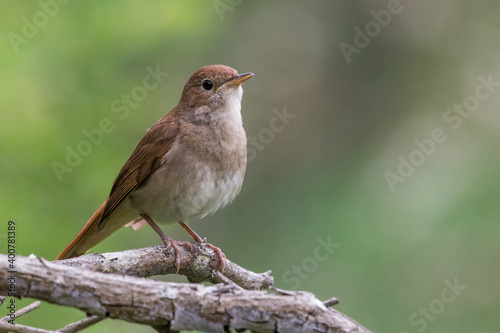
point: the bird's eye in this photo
(207, 84)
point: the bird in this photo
(188, 165)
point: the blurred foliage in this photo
(321, 176)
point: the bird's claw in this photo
(169, 242)
(220, 254)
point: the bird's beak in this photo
(238, 80)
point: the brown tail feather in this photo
(88, 237)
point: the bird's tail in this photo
(89, 236)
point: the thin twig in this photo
(283, 291)
(22, 311)
(331, 302)
(81, 325)
(17, 328)
(223, 279)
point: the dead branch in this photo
(170, 307)
(198, 264)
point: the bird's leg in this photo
(192, 233)
(198, 239)
(167, 240)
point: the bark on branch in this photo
(169, 307)
(198, 264)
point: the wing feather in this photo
(145, 159)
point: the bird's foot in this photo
(198, 239)
(169, 242)
(220, 254)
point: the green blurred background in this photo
(321, 177)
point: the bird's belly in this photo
(172, 195)
(211, 193)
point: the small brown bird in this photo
(188, 165)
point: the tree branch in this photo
(198, 264)
(23, 311)
(169, 307)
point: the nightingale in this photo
(188, 165)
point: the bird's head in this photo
(213, 87)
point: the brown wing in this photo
(145, 159)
